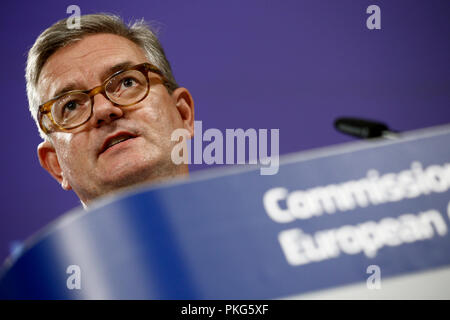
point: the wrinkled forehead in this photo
(87, 62)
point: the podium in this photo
(367, 217)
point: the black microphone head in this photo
(361, 128)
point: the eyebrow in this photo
(103, 76)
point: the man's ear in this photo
(185, 106)
(49, 161)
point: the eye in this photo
(128, 83)
(70, 106)
(126, 86)
(69, 109)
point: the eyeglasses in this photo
(74, 108)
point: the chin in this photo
(141, 173)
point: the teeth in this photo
(116, 140)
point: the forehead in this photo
(85, 60)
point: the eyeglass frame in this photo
(144, 68)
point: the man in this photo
(119, 134)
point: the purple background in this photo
(292, 65)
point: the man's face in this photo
(78, 159)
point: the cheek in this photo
(73, 162)
(160, 114)
(63, 145)
(72, 155)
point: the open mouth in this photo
(116, 139)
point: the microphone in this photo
(363, 128)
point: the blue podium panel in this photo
(319, 223)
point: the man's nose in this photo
(104, 111)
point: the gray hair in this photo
(59, 35)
